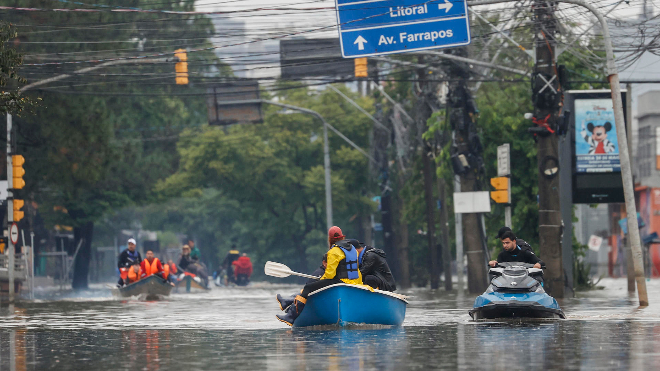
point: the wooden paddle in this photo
(280, 270)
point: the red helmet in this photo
(335, 232)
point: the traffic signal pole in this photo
(11, 252)
(622, 139)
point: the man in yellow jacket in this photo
(342, 268)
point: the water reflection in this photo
(237, 330)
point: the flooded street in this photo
(236, 329)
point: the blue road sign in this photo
(375, 27)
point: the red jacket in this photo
(242, 265)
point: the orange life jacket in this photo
(123, 273)
(132, 276)
(167, 269)
(152, 268)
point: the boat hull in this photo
(515, 305)
(343, 304)
(151, 288)
(188, 284)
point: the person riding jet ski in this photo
(513, 253)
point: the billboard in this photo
(596, 169)
(596, 146)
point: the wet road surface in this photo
(235, 328)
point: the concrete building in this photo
(648, 149)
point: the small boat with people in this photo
(343, 304)
(516, 291)
(187, 282)
(152, 287)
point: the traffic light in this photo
(17, 162)
(361, 67)
(502, 195)
(181, 67)
(18, 214)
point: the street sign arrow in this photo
(360, 41)
(446, 6)
(13, 233)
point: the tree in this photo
(10, 61)
(87, 153)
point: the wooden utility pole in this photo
(461, 110)
(547, 97)
(423, 112)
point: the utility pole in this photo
(547, 97)
(423, 113)
(467, 151)
(630, 269)
(11, 251)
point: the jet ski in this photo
(515, 291)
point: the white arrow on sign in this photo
(446, 6)
(361, 41)
(14, 233)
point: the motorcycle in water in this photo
(515, 291)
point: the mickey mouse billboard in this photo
(596, 148)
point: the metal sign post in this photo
(504, 170)
(394, 26)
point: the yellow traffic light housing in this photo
(18, 214)
(181, 67)
(18, 172)
(503, 190)
(361, 67)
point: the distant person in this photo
(513, 253)
(227, 264)
(374, 268)
(191, 266)
(242, 270)
(170, 271)
(519, 241)
(152, 265)
(126, 259)
(195, 254)
(342, 268)
(286, 301)
(134, 274)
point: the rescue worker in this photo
(519, 241)
(285, 302)
(514, 253)
(231, 256)
(127, 258)
(134, 274)
(342, 268)
(374, 268)
(152, 265)
(242, 270)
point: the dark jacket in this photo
(519, 255)
(184, 262)
(374, 263)
(318, 273)
(126, 259)
(523, 244)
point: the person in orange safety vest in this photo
(134, 274)
(151, 265)
(170, 271)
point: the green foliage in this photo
(262, 186)
(10, 60)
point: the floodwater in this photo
(236, 329)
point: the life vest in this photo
(152, 268)
(167, 269)
(348, 268)
(243, 265)
(132, 276)
(123, 273)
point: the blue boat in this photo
(515, 293)
(344, 304)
